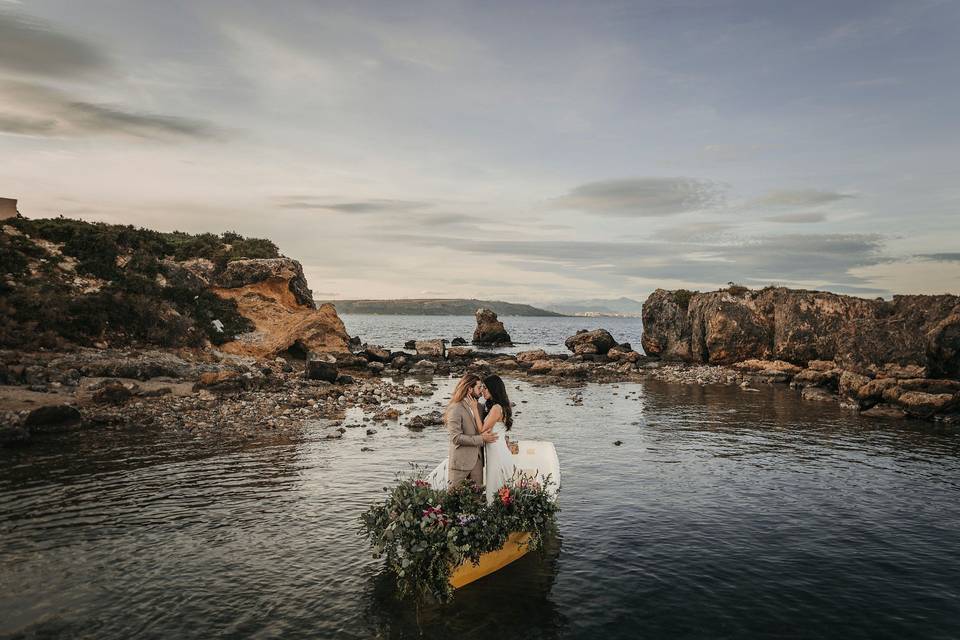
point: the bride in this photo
(498, 459)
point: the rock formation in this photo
(869, 352)
(798, 326)
(273, 294)
(489, 331)
(598, 341)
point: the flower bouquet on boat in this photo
(486, 505)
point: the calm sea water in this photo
(527, 332)
(724, 514)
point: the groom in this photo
(465, 453)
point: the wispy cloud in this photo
(32, 109)
(799, 198)
(33, 47)
(353, 206)
(798, 218)
(940, 257)
(642, 197)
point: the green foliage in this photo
(131, 306)
(737, 290)
(424, 533)
(682, 297)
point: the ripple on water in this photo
(723, 514)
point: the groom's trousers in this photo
(475, 474)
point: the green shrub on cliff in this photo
(682, 297)
(42, 306)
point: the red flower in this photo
(504, 494)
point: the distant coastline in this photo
(437, 307)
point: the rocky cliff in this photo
(825, 335)
(273, 294)
(68, 283)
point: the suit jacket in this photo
(465, 442)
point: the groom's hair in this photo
(462, 389)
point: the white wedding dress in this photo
(498, 465)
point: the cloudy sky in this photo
(527, 151)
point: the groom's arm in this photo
(455, 429)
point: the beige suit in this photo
(465, 458)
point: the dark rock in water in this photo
(54, 416)
(376, 353)
(434, 418)
(818, 394)
(112, 392)
(598, 341)
(354, 342)
(883, 410)
(410, 344)
(322, 367)
(458, 342)
(617, 442)
(489, 331)
(434, 348)
(355, 361)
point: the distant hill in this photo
(599, 307)
(436, 307)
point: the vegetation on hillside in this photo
(115, 283)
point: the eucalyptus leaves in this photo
(424, 533)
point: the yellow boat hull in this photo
(466, 572)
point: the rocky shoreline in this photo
(219, 394)
(249, 352)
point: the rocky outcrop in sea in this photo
(884, 357)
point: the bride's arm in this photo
(496, 412)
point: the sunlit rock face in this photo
(273, 294)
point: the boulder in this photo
(598, 341)
(883, 410)
(541, 366)
(55, 416)
(531, 356)
(851, 383)
(376, 353)
(458, 342)
(321, 367)
(818, 394)
(666, 325)
(273, 295)
(817, 378)
(623, 353)
(925, 405)
(460, 352)
(432, 348)
(489, 331)
(423, 367)
(767, 367)
(112, 392)
(410, 344)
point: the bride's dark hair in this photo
(498, 393)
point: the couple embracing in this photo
(477, 418)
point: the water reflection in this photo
(514, 602)
(722, 513)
